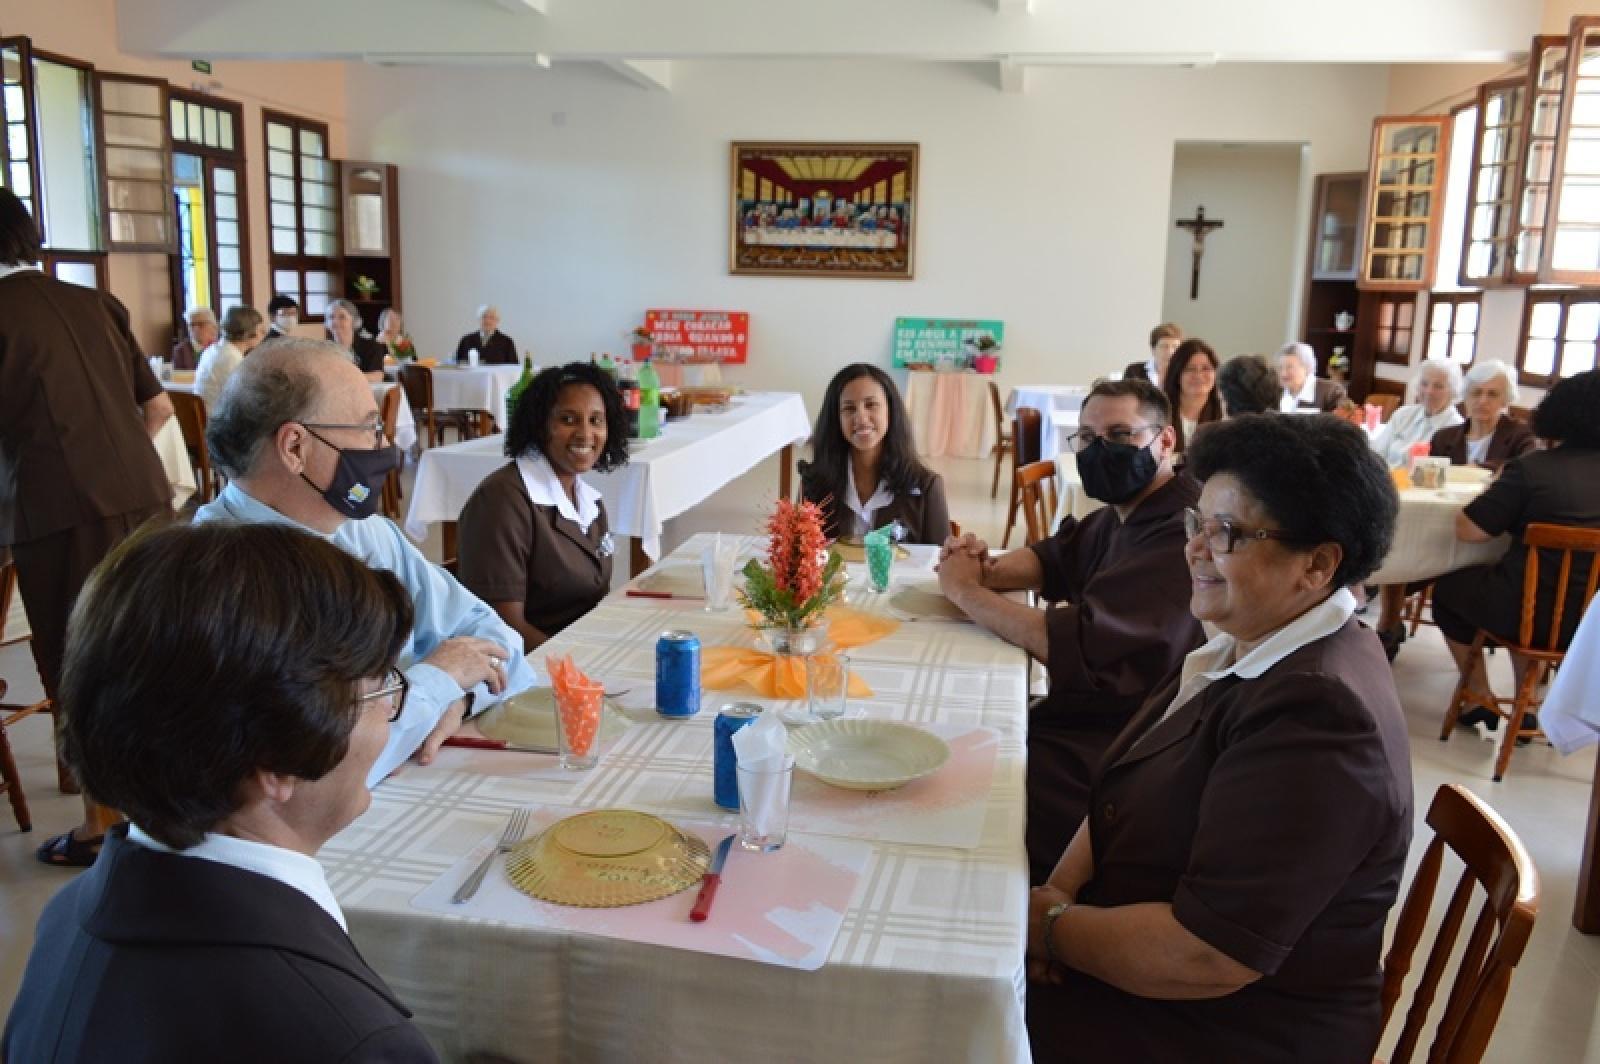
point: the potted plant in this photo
(365, 286)
(801, 579)
(642, 342)
(1339, 365)
(984, 350)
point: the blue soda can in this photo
(678, 674)
(724, 761)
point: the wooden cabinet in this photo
(370, 201)
(1331, 274)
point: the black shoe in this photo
(1477, 715)
(1391, 638)
(1529, 720)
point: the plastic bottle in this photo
(649, 402)
(514, 393)
(608, 365)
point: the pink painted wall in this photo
(87, 30)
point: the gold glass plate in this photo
(608, 858)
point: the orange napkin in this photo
(429, 362)
(1401, 478)
(772, 676)
(578, 700)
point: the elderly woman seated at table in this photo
(535, 541)
(1191, 387)
(1435, 390)
(344, 328)
(1559, 486)
(1225, 897)
(1247, 385)
(242, 332)
(397, 343)
(1303, 391)
(1488, 438)
(864, 471)
(227, 687)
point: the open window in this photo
(303, 202)
(1404, 202)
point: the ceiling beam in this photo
(1013, 77)
(526, 7)
(652, 74)
(1004, 7)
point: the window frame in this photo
(301, 263)
(29, 121)
(1370, 249)
(1565, 297)
(210, 158)
(1518, 272)
(1454, 300)
(106, 209)
(1512, 162)
(49, 260)
(1583, 26)
(1391, 355)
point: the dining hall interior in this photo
(1075, 525)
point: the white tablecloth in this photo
(688, 462)
(1570, 715)
(175, 462)
(484, 388)
(405, 425)
(951, 413)
(926, 967)
(1047, 398)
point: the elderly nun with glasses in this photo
(1225, 896)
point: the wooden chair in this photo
(1496, 861)
(1024, 450)
(1036, 487)
(1412, 610)
(418, 384)
(10, 780)
(1386, 402)
(1533, 662)
(390, 411)
(1002, 438)
(190, 410)
(11, 712)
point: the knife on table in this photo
(712, 878)
(475, 743)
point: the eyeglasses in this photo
(378, 439)
(1222, 535)
(397, 688)
(1081, 440)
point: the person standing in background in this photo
(1164, 340)
(78, 407)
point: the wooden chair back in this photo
(1385, 402)
(999, 410)
(1497, 862)
(1570, 544)
(190, 410)
(1002, 439)
(418, 384)
(1026, 436)
(389, 409)
(11, 779)
(1036, 487)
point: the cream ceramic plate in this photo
(867, 755)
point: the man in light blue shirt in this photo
(299, 434)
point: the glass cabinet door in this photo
(1405, 201)
(1338, 227)
(367, 189)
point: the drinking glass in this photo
(718, 574)
(764, 805)
(828, 685)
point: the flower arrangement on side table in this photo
(801, 579)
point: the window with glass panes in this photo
(1453, 327)
(302, 200)
(137, 162)
(19, 160)
(212, 264)
(1560, 333)
(1396, 319)
(1497, 147)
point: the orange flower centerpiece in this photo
(801, 579)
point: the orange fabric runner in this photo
(723, 668)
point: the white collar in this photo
(21, 267)
(286, 866)
(545, 489)
(1151, 371)
(881, 497)
(1216, 658)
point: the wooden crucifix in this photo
(1199, 226)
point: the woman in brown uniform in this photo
(1224, 898)
(864, 471)
(535, 543)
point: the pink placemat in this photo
(780, 908)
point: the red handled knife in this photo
(713, 877)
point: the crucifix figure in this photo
(1199, 225)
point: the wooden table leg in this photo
(1586, 906)
(447, 540)
(638, 560)
(785, 470)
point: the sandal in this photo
(69, 851)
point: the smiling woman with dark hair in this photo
(864, 471)
(1225, 896)
(228, 687)
(535, 542)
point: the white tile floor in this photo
(1554, 1009)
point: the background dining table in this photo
(1048, 399)
(474, 388)
(927, 960)
(951, 413)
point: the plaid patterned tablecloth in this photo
(928, 962)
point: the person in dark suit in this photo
(1119, 618)
(284, 313)
(1225, 897)
(535, 543)
(1488, 438)
(344, 328)
(1303, 390)
(864, 471)
(1164, 340)
(1560, 486)
(78, 407)
(494, 347)
(227, 686)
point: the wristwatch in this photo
(1051, 915)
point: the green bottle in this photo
(514, 393)
(649, 402)
(607, 365)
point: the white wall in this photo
(575, 201)
(1248, 280)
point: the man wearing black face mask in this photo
(298, 433)
(1119, 588)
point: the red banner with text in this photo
(700, 335)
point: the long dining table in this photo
(927, 960)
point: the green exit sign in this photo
(202, 65)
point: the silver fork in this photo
(509, 838)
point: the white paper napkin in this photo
(763, 747)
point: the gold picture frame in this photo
(823, 209)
